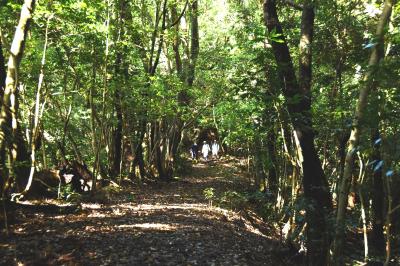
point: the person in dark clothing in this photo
(194, 150)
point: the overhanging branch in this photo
(180, 15)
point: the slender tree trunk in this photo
(3, 73)
(194, 40)
(95, 141)
(139, 160)
(273, 181)
(316, 189)
(377, 192)
(159, 158)
(103, 125)
(176, 44)
(342, 140)
(388, 219)
(260, 177)
(118, 130)
(35, 130)
(368, 84)
(123, 9)
(3, 156)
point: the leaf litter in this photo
(162, 224)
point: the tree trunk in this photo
(139, 160)
(117, 136)
(194, 40)
(10, 135)
(368, 84)
(316, 190)
(3, 73)
(176, 43)
(95, 141)
(343, 138)
(272, 174)
(258, 164)
(3, 156)
(160, 146)
(37, 115)
(377, 207)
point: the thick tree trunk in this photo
(10, 135)
(369, 83)
(298, 99)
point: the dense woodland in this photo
(303, 94)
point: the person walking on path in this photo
(205, 150)
(194, 151)
(214, 149)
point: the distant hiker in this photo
(214, 149)
(205, 150)
(194, 149)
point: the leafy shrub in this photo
(209, 194)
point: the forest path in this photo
(157, 224)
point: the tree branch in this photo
(180, 15)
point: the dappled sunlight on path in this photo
(165, 224)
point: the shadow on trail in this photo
(165, 228)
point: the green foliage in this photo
(66, 193)
(233, 199)
(209, 194)
(95, 53)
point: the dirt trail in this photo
(158, 224)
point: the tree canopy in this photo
(306, 92)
